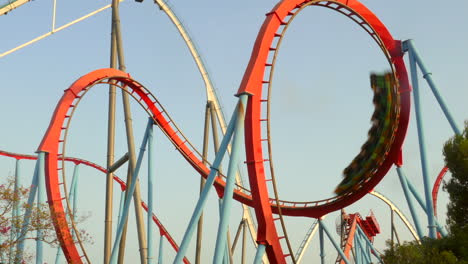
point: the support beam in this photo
(161, 250)
(131, 191)
(337, 247)
(151, 178)
(206, 190)
(409, 200)
(206, 132)
(422, 143)
(40, 203)
(322, 246)
(110, 149)
(260, 253)
(27, 215)
(409, 46)
(230, 179)
(118, 163)
(369, 244)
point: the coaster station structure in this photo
(250, 123)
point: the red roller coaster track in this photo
(252, 84)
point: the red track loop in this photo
(253, 83)
(55, 136)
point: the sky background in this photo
(321, 99)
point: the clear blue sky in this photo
(321, 99)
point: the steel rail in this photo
(55, 30)
(11, 6)
(400, 214)
(162, 229)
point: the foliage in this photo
(13, 229)
(456, 160)
(415, 253)
(454, 247)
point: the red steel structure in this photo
(436, 188)
(256, 83)
(369, 226)
(253, 82)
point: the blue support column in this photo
(337, 247)
(40, 203)
(15, 211)
(421, 139)
(27, 214)
(161, 247)
(75, 193)
(259, 255)
(411, 48)
(363, 253)
(58, 256)
(416, 195)
(150, 194)
(71, 196)
(121, 205)
(206, 190)
(129, 194)
(322, 246)
(230, 181)
(368, 243)
(357, 250)
(406, 191)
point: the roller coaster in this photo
(245, 149)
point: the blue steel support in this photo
(404, 185)
(129, 194)
(75, 194)
(322, 246)
(40, 202)
(409, 46)
(363, 252)
(151, 175)
(259, 255)
(416, 195)
(226, 250)
(369, 243)
(121, 205)
(206, 190)
(357, 250)
(72, 197)
(16, 208)
(15, 212)
(27, 214)
(58, 256)
(230, 180)
(337, 247)
(161, 247)
(72, 193)
(422, 144)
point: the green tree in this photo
(454, 247)
(456, 160)
(415, 253)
